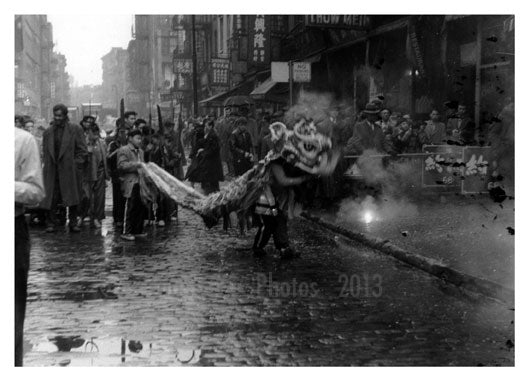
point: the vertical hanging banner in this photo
(259, 39)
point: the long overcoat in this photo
(209, 168)
(72, 156)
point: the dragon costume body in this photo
(302, 146)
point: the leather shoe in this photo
(75, 229)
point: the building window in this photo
(166, 48)
(278, 24)
(20, 90)
(179, 41)
(240, 24)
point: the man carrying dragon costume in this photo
(298, 153)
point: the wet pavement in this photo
(467, 233)
(188, 296)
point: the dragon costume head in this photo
(304, 147)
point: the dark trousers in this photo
(22, 248)
(118, 202)
(165, 208)
(84, 204)
(97, 196)
(56, 200)
(135, 212)
(271, 226)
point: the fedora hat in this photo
(371, 108)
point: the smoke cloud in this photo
(314, 106)
(397, 183)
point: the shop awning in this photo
(218, 100)
(270, 91)
(261, 90)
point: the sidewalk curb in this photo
(431, 266)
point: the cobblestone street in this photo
(186, 295)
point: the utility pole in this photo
(195, 81)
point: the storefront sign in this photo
(280, 71)
(219, 71)
(476, 174)
(338, 21)
(167, 97)
(465, 168)
(182, 66)
(444, 167)
(301, 72)
(259, 39)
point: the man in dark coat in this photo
(64, 154)
(462, 128)
(210, 165)
(367, 134)
(197, 142)
(241, 147)
(225, 126)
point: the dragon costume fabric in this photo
(303, 146)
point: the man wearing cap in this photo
(368, 134)
(241, 147)
(129, 161)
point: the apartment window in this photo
(240, 24)
(166, 47)
(278, 24)
(20, 90)
(173, 44)
(179, 41)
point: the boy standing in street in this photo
(130, 158)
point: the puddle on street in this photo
(106, 351)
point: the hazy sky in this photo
(84, 39)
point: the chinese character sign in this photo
(219, 71)
(477, 170)
(465, 167)
(443, 167)
(182, 66)
(259, 39)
